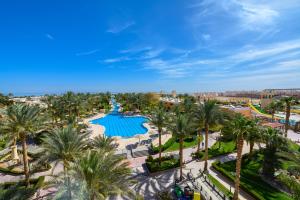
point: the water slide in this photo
(260, 113)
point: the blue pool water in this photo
(116, 124)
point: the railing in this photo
(206, 187)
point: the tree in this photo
(102, 174)
(211, 116)
(63, 145)
(253, 136)
(199, 116)
(24, 120)
(103, 142)
(159, 119)
(240, 127)
(288, 101)
(273, 107)
(274, 141)
(181, 126)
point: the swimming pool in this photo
(116, 124)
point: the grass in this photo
(219, 148)
(251, 181)
(221, 187)
(173, 144)
(188, 142)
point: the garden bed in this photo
(167, 162)
(251, 181)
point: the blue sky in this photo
(134, 45)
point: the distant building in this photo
(174, 94)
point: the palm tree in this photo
(199, 116)
(181, 126)
(23, 120)
(103, 142)
(102, 174)
(288, 101)
(159, 118)
(211, 116)
(273, 140)
(273, 107)
(253, 136)
(10, 129)
(240, 127)
(63, 145)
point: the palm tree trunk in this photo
(199, 141)
(238, 168)
(25, 160)
(181, 155)
(159, 145)
(67, 179)
(287, 117)
(251, 149)
(206, 146)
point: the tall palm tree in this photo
(63, 145)
(288, 101)
(199, 116)
(240, 127)
(104, 143)
(24, 120)
(102, 174)
(181, 126)
(274, 140)
(159, 119)
(211, 116)
(273, 107)
(253, 136)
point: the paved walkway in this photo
(149, 186)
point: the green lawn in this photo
(251, 181)
(173, 144)
(188, 142)
(219, 148)
(220, 186)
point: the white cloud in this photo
(49, 36)
(86, 53)
(255, 16)
(136, 49)
(115, 60)
(119, 27)
(206, 36)
(152, 53)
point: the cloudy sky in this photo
(133, 45)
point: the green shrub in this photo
(167, 162)
(18, 190)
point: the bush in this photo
(18, 190)
(167, 162)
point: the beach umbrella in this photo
(140, 136)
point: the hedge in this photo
(167, 162)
